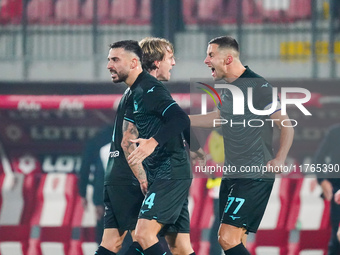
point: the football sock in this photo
(103, 251)
(135, 249)
(237, 250)
(156, 249)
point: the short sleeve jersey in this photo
(151, 100)
(118, 171)
(247, 137)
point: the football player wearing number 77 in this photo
(243, 195)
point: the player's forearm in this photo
(191, 138)
(175, 120)
(137, 169)
(130, 132)
(205, 121)
(286, 141)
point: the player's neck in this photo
(133, 76)
(153, 73)
(234, 72)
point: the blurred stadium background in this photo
(56, 94)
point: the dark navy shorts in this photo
(244, 201)
(122, 204)
(167, 202)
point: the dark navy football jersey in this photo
(151, 100)
(247, 137)
(118, 170)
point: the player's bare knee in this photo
(179, 250)
(227, 242)
(112, 240)
(174, 250)
(179, 243)
(143, 238)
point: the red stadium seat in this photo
(209, 10)
(10, 11)
(300, 9)
(40, 10)
(272, 232)
(67, 10)
(252, 11)
(83, 227)
(144, 14)
(310, 215)
(189, 8)
(226, 11)
(229, 11)
(123, 10)
(103, 7)
(276, 11)
(51, 221)
(198, 196)
(16, 206)
(206, 220)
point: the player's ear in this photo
(229, 59)
(157, 63)
(134, 63)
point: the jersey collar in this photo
(139, 78)
(245, 74)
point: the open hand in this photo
(145, 148)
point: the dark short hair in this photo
(129, 45)
(226, 42)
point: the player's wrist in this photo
(281, 157)
(153, 141)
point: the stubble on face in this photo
(119, 65)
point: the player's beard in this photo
(121, 77)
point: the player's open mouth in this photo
(213, 71)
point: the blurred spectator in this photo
(92, 172)
(328, 155)
(214, 149)
(337, 200)
(337, 197)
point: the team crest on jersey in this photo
(135, 105)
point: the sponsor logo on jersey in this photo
(114, 154)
